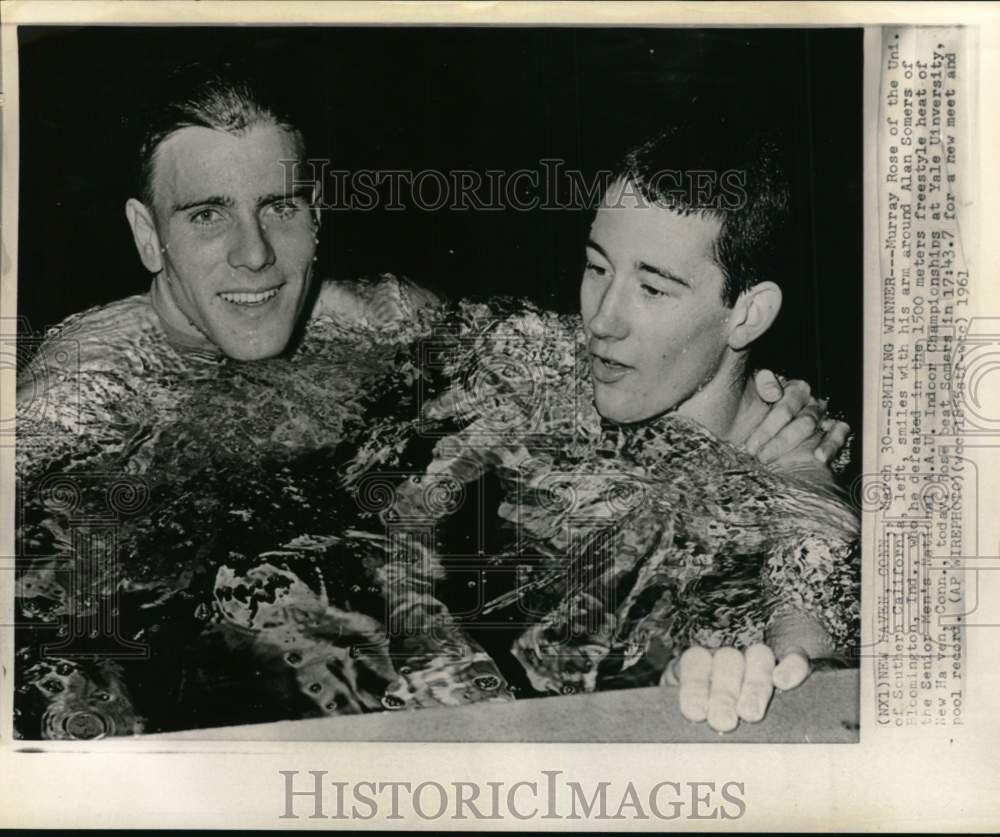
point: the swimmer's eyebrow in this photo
(214, 200)
(303, 192)
(597, 247)
(663, 273)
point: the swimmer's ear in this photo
(147, 242)
(753, 314)
(315, 203)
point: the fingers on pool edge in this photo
(758, 686)
(728, 669)
(694, 674)
(792, 670)
(729, 686)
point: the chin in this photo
(611, 409)
(626, 411)
(263, 351)
(254, 355)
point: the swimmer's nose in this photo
(610, 321)
(251, 249)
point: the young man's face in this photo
(652, 307)
(238, 244)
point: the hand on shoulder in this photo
(791, 431)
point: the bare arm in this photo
(818, 583)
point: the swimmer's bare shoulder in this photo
(85, 362)
(96, 339)
(86, 376)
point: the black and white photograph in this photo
(442, 383)
(499, 415)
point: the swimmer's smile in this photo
(249, 299)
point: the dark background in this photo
(444, 98)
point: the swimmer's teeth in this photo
(249, 299)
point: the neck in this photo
(181, 333)
(728, 402)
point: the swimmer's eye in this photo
(206, 217)
(649, 290)
(285, 210)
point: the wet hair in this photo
(717, 170)
(223, 96)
